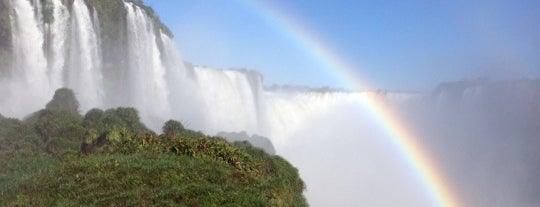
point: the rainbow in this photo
(418, 158)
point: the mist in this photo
(483, 135)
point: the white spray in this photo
(147, 76)
(85, 76)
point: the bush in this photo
(106, 131)
(125, 164)
(172, 170)
(15, 136)
(92, 119)
(64, 100)
(123, 117)
(172, 127)
(57, 124)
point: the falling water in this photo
(147, 73)
(29, 81)
(228, 99)
(85, 75)
(58, 31)
(345, 158)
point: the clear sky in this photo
(396, 45)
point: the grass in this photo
(110, 159)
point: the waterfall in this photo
(342, 153)
(29, 82)
(147, 73)
(85, 76)
(58, 32)
(228, 99)
(40, 48)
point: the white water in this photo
(30, 65)
(228, 100)
(345, 158)
(85, 75)
(58, 31)
(147, 76)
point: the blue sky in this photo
(396, 45)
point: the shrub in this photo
(123, 117)
(64, 100)
(57, 124)
(172, 127)
(92, 119)
(125, 164)
(17, 136)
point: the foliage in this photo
(105, 129)
(108, 158)
(50, 124)
(191, 173)
(253, 140)
(17, 136)
(172, 127)
(122, 118)
(92, 119)
(21, 151)
(64, 100)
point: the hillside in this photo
(56, 156)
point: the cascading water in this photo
(29, 73)
(85, 75)
(228, 100)
(345, 158)
(58, 30)
(147, 73)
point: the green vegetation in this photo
(254, 140)
(108, 158)
(172, 127)
(64, 100)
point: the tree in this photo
(172, 127)
(130, 116)
(64, 100)
(57, 124)
(93, 126)
(45, 124)
(92, 119)
(123, 117)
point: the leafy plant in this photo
(108, 158)
(64, 100)
(172, 127)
